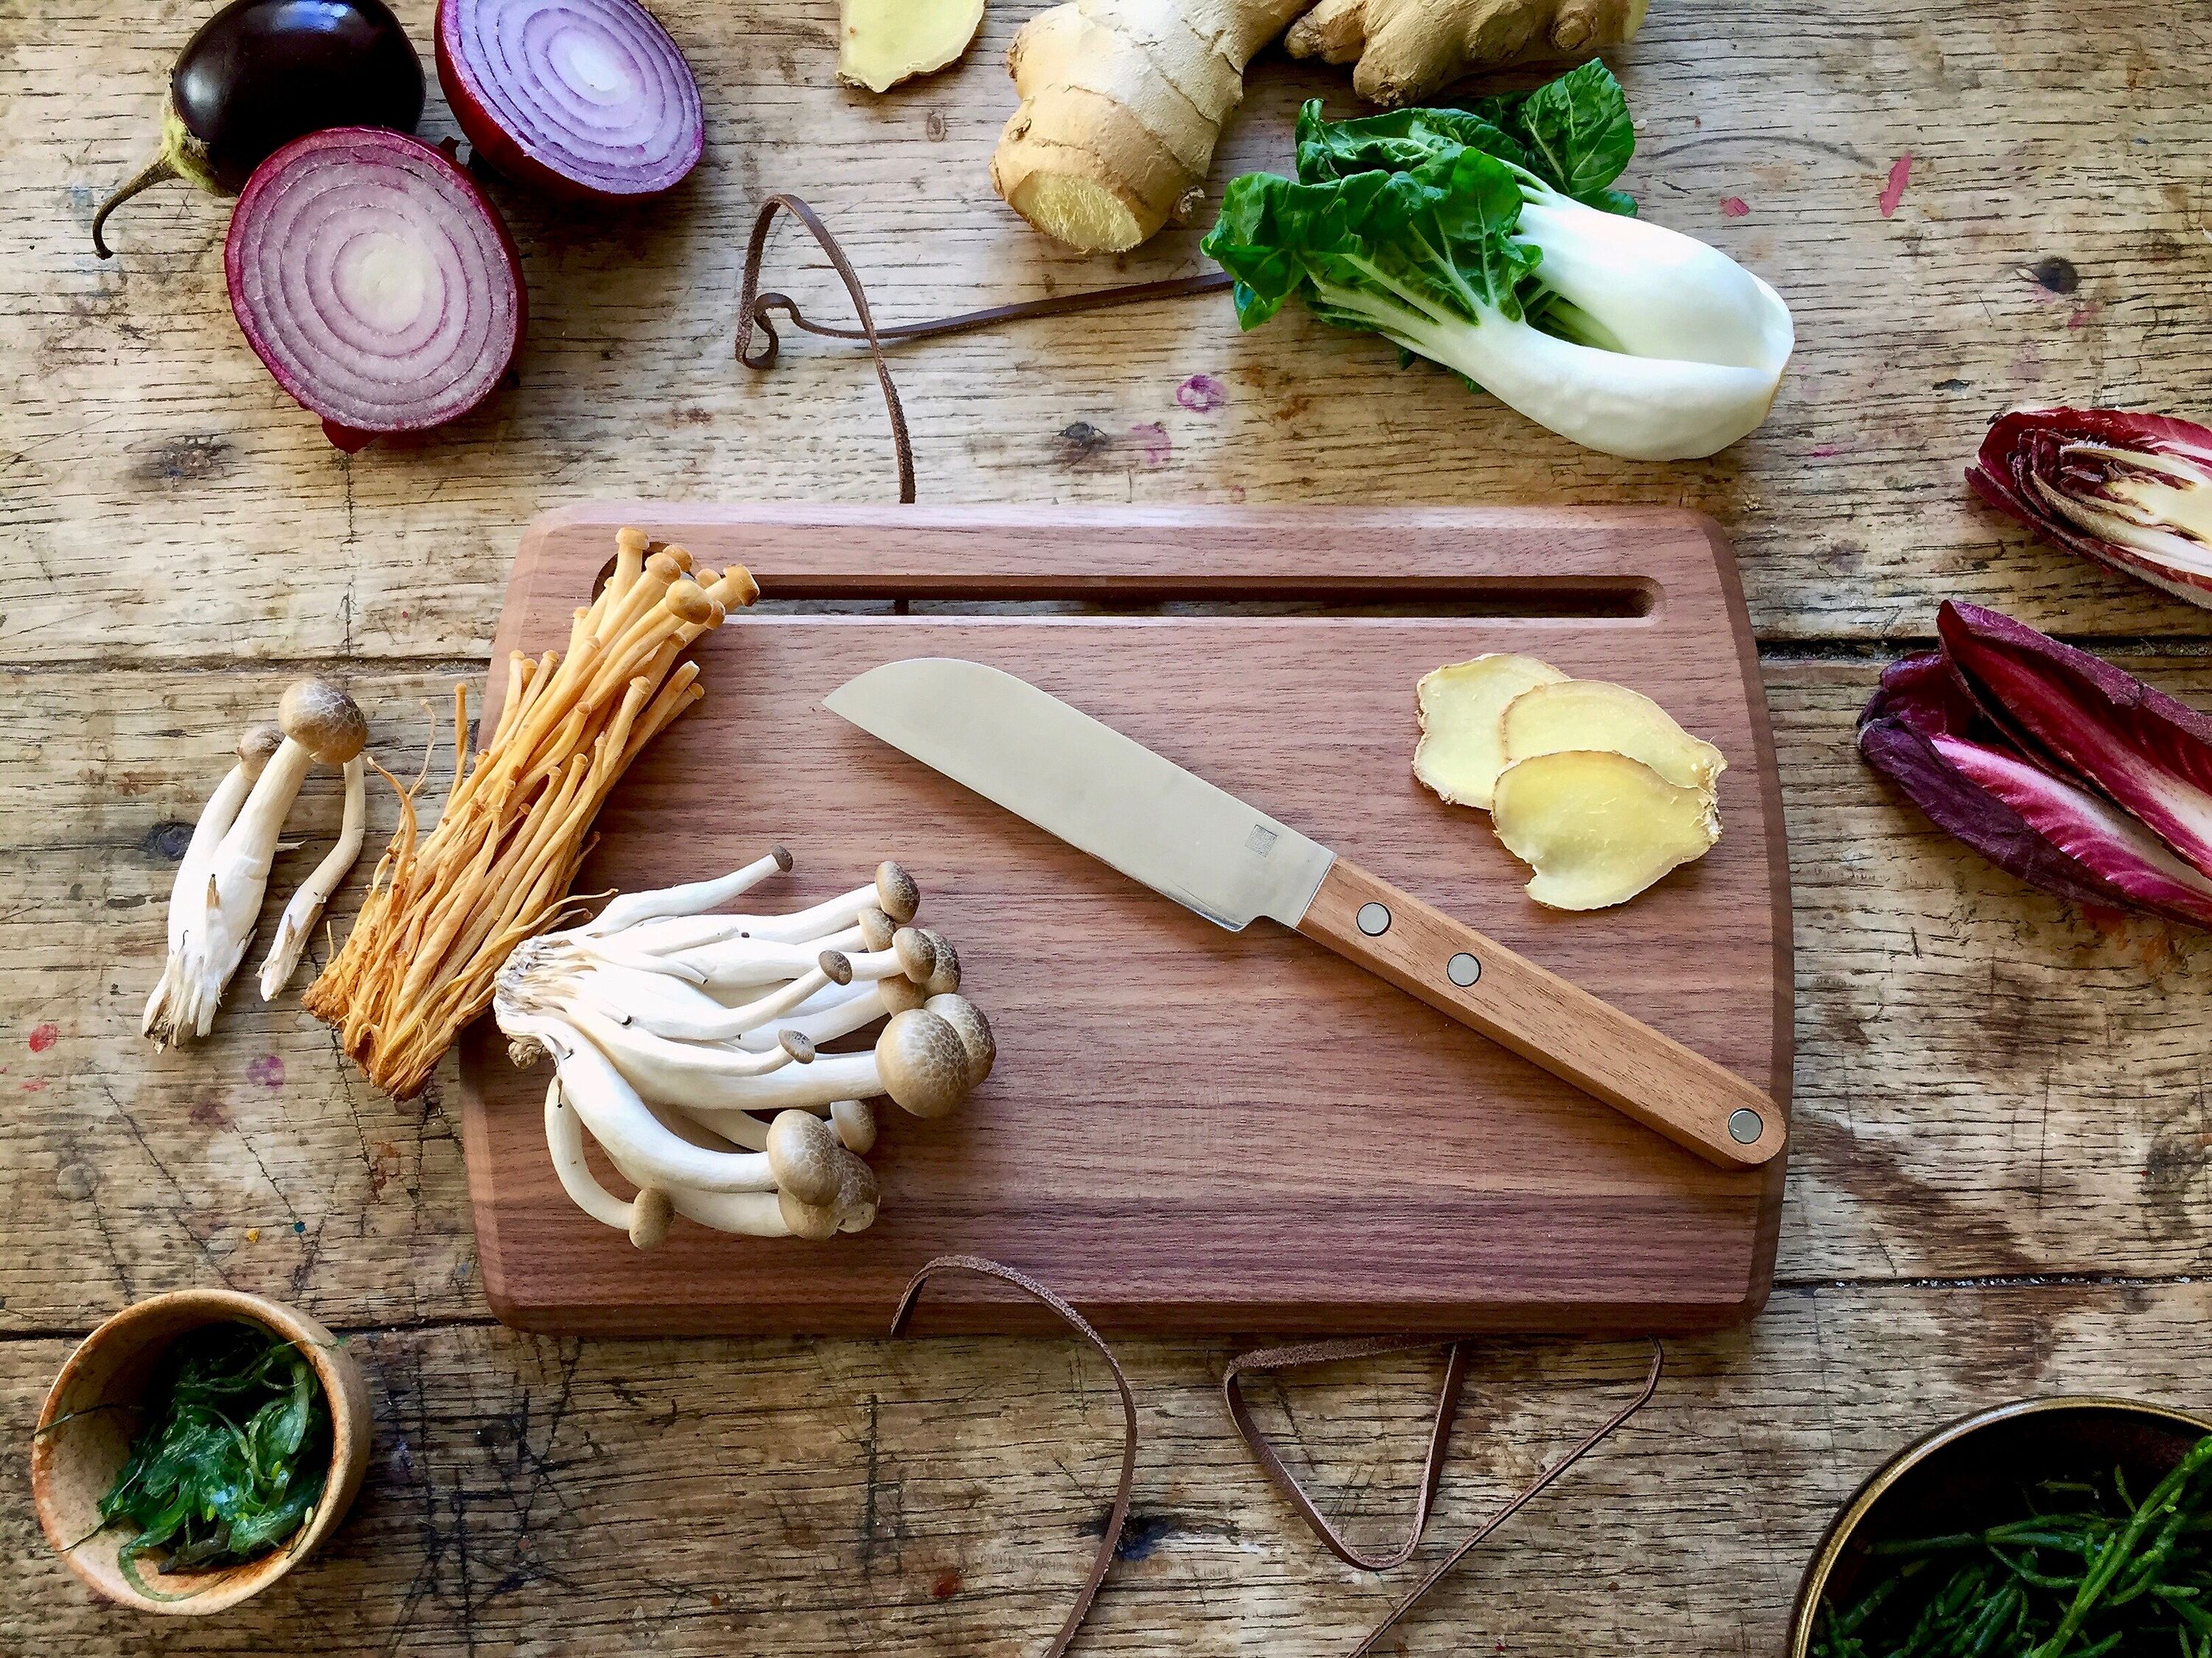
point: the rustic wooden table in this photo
(2002, 1133)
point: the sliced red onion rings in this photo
(374, 280)
(580, 98)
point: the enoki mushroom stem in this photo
(444, 910)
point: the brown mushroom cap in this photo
(680, 556)
(631, 541)
(260, 739)
(782, 854)
(802, 1153)
(816, 1222)
(649, 1217)
(900, 994)
(917, 955)
(897, 892)
(858, 1194)
(974, 1031)
(798, 1043)
(922, 1062)
(320, 717)
(855, 1123)
(944, 978)
(876, 929)
(836, 965)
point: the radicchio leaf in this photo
(2151, 754)
(1965, 810)
(1923, 692)
(2133, 491)
(2112, 846)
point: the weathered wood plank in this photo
(825, 1498)
(1988, 1080)
(147, 459)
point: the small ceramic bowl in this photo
(1967, 1475)
(73, 1466)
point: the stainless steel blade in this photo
(1097, 789)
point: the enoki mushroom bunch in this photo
(687, 1043)
(216, 901)
(443, 911)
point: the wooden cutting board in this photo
(1190, 1131)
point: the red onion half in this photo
(580, 98)
(376, 282)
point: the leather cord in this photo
(1332, 1352)
(1326, 1352)
(1035, 1291)
(755, 318)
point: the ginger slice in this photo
(882, 42)
(1569, 714)
(1599, 827)
(1460, 751)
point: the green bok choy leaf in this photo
(1490, 240)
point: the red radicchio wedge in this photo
(2151, 754)
(2133, 491)
(1964, 809)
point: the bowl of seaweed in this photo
(196, 1447)
(2063, 1527)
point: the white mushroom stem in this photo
(735, 964)
(673, 936)
(642, 1148)
(300, 915)
(254, 748)
(678, 1071)
(320, 722)
(893, 892)
(920, 1060)
(683, 1021)
(631, 908)
(824, 1021)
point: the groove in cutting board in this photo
(1190, 1131)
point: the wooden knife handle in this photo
(1702, 1106)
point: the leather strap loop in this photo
(1332, 1352)
(755, 309)
(1035, 1291)
(1327, 1352)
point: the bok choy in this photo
(1489, 240)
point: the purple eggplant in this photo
(261, 73)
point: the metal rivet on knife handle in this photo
(1374, 920)
(1745, 1126)
(1463, 970)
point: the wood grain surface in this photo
(1180, 1132)
(2002, 1147)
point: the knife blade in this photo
(1108, 795)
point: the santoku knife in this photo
(1114, 798)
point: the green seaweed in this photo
(2105, 1575)
(232, 1460)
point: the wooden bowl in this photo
(1966, 1476)
(73, 1467)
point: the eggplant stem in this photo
(162, 168)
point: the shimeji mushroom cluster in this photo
(687, 1042)
(216, 901)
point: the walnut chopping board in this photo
(1190, 1131)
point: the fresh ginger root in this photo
(1121, 103)
(882, 42)
(1408, 49)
